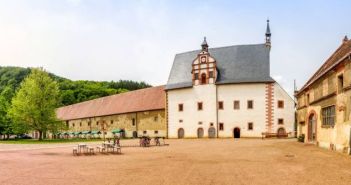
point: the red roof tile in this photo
(152, 98)
(333, 60)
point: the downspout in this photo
(217, 110)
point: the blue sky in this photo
(137, 40)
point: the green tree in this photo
(33, 106)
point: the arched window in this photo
(203, 78)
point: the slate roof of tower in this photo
(235, 64)
(147, 99)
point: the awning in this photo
(117, 131)
(95, 132)
(77, 133)
(86, 132)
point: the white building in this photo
(226, 92)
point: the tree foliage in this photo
(33, 107)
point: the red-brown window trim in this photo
(220, 105)
(252, 104)
(221, 126)
(180, 107)
(236, 108)
(200, 106)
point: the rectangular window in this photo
(80, 124)
(236, 105)
(73, 124)
(281, 104)
(221, 126)
(200, 123)
(211, 74)
(111, 122)
(89, 123)
(67, 124)
(250, 104)
(133, 122)
(199, 106)
(97, 123)
(340, 83)
(280, 121)
(180, 121)
(156, 131)
(156, 118)
(220, 105)
(144, 132)
(180, 107)
(250, 126)
(328, 116)
(196, 75)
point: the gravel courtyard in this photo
(189, 161)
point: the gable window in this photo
(328, 116)
(281, 104)
(340, 83)
(211, 74)
(199, 106)
(221, 126)
(196, 76)
(250, 104)
(280, 121)
(250, 126)
(236, 105)
(203, 78)
(220, 105)
(180, 107)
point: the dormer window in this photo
(196, 76)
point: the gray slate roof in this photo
(235, 64)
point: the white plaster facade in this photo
(210, 94)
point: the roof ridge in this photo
(221, 47)
(102, 98)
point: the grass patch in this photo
(46, 141)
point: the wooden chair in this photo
(100, 148)
(75, 151)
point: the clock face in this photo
(203, 59)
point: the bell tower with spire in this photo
(268, 35)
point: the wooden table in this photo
(81, 146)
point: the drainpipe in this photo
(217, 110)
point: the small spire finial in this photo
(204, 45)
(268, 34)
(345, 39)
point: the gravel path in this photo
(192, 161)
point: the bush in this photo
(301, 138)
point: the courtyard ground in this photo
(189, 161)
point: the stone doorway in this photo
(211, 132)
(200, 133)
(281, 133)
(180, 133)
(236, 132)
(312, 123)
